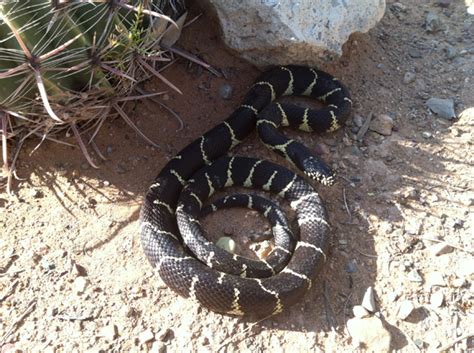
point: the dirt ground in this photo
(73, 276)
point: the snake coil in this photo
(170, 225)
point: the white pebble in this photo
(109, 332)
(146, 336)
(226, 243)
(369, 300)
(405, 309)
(437, 299)
(80, 284)
(360, 312)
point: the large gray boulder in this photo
(292, 32)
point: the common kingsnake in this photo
(174, 201)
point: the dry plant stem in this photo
(365, 127)
(157, 74)
(82, 145)
(345, 204)
(14, 325)
(132, 125)
(10, 290)
(451, 245)
(171, 111)
(3, 116)
(456, 340)
(117, 72)
(148, 12)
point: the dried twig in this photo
(9, 291)
(171, 111)
(365, 127)
(367, 255)
(456, 340)
(82, 145)
(345, 204)
(18, 321)
(331, 320)
(449, 244)
(132, 125)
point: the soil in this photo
(73, 276)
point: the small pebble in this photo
(47, 265)
(358, 120)
(351, 267)
(435, 278)
(382, 124)
(165, 334)
(120, 168)
(109, 332)
(360, 312)
(106, 183)
(409, 77)
(432, 22)
(440, 249)
(405, 308)
(80, 284)
(85, 166)
(437, 299)
(226, 243)
(415, 53)
(226, 91)
(392, 296)
(368, 301)
(414, 276)
(458, 223)
(458, 282)
(426, 134)
(146, 336)
(158, 347)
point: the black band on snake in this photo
(218, 280)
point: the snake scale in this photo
(170, 227)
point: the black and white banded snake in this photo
(174, 201)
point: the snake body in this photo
(218, 280)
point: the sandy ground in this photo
(73, 276)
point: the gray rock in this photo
(444, 108)
(368, 301)
(298, 32)
(382, 124)
(371, 332)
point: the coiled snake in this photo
(218, 280)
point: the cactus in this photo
(65, 65)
